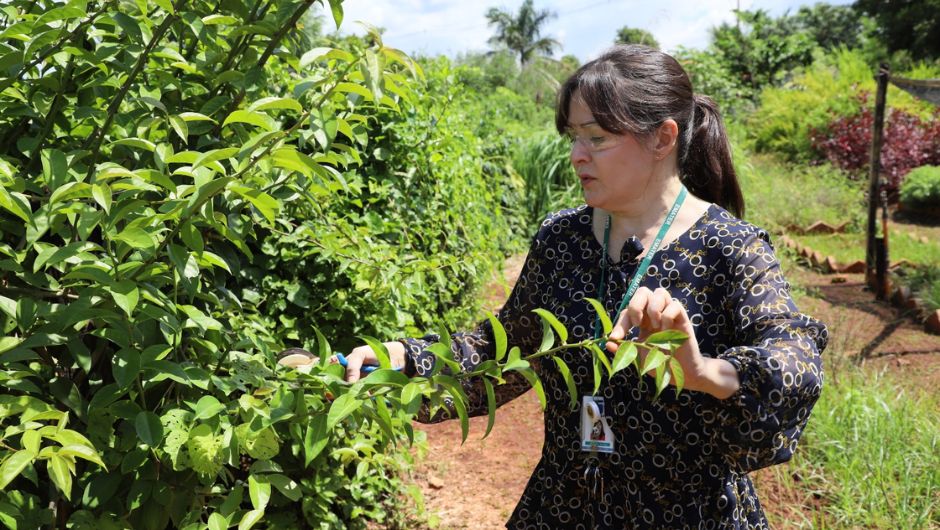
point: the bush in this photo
(921, 188)
(825, 91)
(180, 194)
(908, 142)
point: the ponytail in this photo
(706, 166)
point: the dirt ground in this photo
(476, 485)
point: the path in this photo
(477, 485)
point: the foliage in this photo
(780, 195)
(911, 26)
(908, 142)
(849, 247)
(155, 159)
(543, 165)
(827, 89)
(711, 75)
(921, 188)
(521, 33)
(870, 453)
(759, 50)
(923, 281)
(628, 35)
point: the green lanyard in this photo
(644, 265)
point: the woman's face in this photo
(614, 169)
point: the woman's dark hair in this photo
(634, 89)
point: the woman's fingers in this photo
(636, 309)
(354, 361)
(673, 316)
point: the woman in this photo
(640, 139)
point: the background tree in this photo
(522, 32)
(628, 35)
(906, 25)
(759, 50)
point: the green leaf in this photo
(601, 356)
(556, 324)
(251, 118)
(668, 339)
(58, 469)
(180, 127)
(15, 205)
(136, 237)
(499, 335)
(214, 156)
(149, 428)
(102, 194)
(677, 374)
(625, 355)
(342, 407)
(569, 380)
(138, 143)
(83, 452)
(654, 359)
(536, 384)
(259, 491)
(602, 313)
(381, 352)
(250, 519)
(336, 6)
(597, 374)
(444, 354)
(13, 466)
(459, 401)
(212, 20)
(125, 366)
(126, 295)
(207, 407)
(385, 377)
(548, 337)
(515, 361)
(267, 205)
(217, 521)
(290, 158)
(31, 440)
(662, 378)
(286, 486)
(490, 406)
(276, 103)
(315, 438)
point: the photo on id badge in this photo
(596, 434)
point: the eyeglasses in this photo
(593, 142)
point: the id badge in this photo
(596, 434)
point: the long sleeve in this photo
(777, 353)
(523, 329)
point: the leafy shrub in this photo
(921, 188)
(908, 142)
(711, 75)
(826, 90)
(177, 187)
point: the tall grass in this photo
(872, 452)
(543, 164)
(778, 194)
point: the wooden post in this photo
(874, 180)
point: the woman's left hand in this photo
(655, 311)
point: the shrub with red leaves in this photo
(908, 142)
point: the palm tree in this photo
(522, 33)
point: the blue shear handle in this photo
(366, 368)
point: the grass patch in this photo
(849, 247)
(780, 194)
(872, 452)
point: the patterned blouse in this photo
(679, 462)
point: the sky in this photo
(584, 27)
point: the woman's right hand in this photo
(363, 355)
